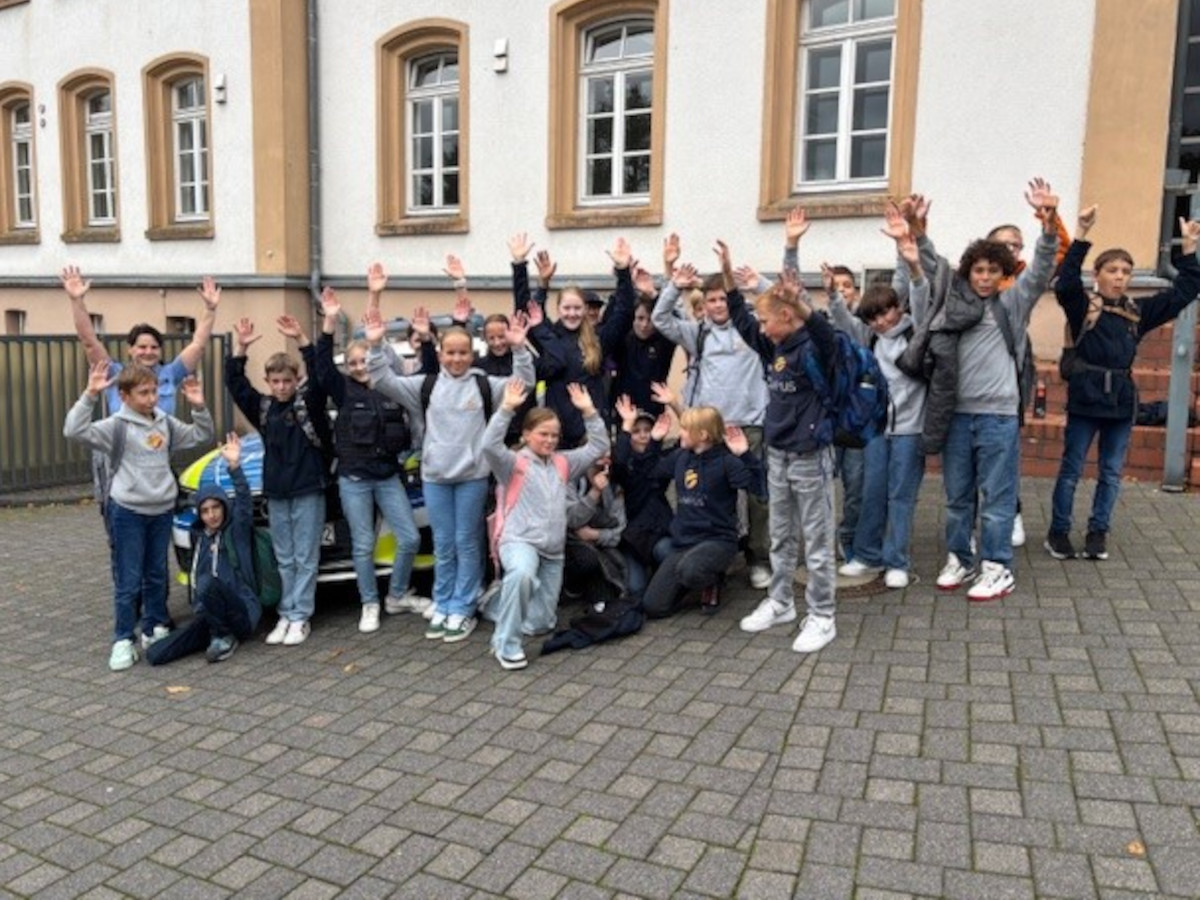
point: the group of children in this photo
(752, 420)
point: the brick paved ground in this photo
(1048, 745)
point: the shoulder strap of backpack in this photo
(264, 407)
(560, 463)
(427, 390)
(516, 483)
(485, 394)
(701, 337)
(118, 446)
(1000, 312)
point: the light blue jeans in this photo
(528, 596)
(360, 496)
(456, 518)
(296, 524)
(894, 467)
(800, 487)
(981, 456)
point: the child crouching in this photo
(534, 531)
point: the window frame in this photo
(436, 96)
(781, 187)
(14, 95)
(160, 80)
(571, 23)
(75, 93)
(192, 119)
(395, 52)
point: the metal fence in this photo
(41, 377)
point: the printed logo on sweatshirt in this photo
(691, 478)
(780, 363)
(155, 441)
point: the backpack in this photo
(694, 362)
(507, 497)
(1026, 371)
(481, 380)
(105, 465)
(303, 419)
(854, 391)
(263, 578)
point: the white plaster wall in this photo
(43, 42)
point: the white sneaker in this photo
(512, 663)
(458, 628)
(760, 577)
(815, 633)
(429, 612)
(297, 633)
(768, 614)
(856, 569)
(994, 582)
(896, 579)
(123, 655)
(277, 633)
(409, 602)
(1018, 535)
(954, 574)
(369, 620)
(160, 632)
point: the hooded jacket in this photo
(706, 486)
(210, 551)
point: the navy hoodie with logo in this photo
(706, 487)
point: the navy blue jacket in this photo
(706, 486)
(645, 496)
(209, 559)
(639, 363)
(796, 420)
(1102, 387)
(292, 466)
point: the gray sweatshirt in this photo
(143, 481)
(730, 373)
(540, 517)
(452, 447)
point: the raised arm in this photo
(580, 459)
(1166, 305)
(499, 457)
(1069, 289)
(331, 380)
(191, 355)
(620, 315)
(672, 327)
(76, 287)
(520, 246)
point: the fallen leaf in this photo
(350, 668)
(177, 689)
(1136, 848)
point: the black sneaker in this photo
(1096, 545)
(1059, 545)
(220, 649)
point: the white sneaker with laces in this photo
(954, 574)
(896, 579)
(1018, 535)
(409, 602)
(512, 663)
(277, 633)
(160, 632)
(760, 577)
(994, 582)
(124, 654)
(297, 633)
(856, 569)
(368, 621)
(815, 633)
(768, 614)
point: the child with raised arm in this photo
(648, 514)
(371, 431)
(894, 464)
(143, 491)
(454, 406)
(535, 525)
(296, 441)
(1105, 328)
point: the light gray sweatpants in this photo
(800, 486)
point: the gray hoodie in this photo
(451, 450)
(143, 481)
(540, 517)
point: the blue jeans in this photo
(894, 467)
(981, 456)
(456, 518)
(1077, 439)
(296, 524)
(528, 594)
(850, 466)
(360, 496)
(139, 568)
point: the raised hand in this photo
(643, 282)
(907, 248)
(662, 426)
(98, 380)
(535, 313)
(519, 246)
(376, 278)
(73, 283)
(735, 440)
(546, 267)
(599, 480)
(420, 322)
(231, 450)
(671, 251)
(685, 277)
(193, 391)
(895, 223)
(721, 249)
(331, 307)
(454, 268)
(827, 278)
(1189, 230)
(373, 326)
(462, 309)
(747, 278)
(581, 399)
(290, 327)
(1041, 197)
(243, 332)
(1087, 218)
(620, 254)
(660, 392)
(518, 327)
(795, 226)
(626, 411)
(209, 292)
(515, 391)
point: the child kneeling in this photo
(534, 530)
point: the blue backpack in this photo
(855, 391)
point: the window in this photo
(607, 112)
(89, 157)
(422, 129)
(97, 322)
(180, 325)
(18, 171)
(179, 166)
(14, 322)
(839, 104)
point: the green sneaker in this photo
(436, 629)
(458, 628)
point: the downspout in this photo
(314, 168)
